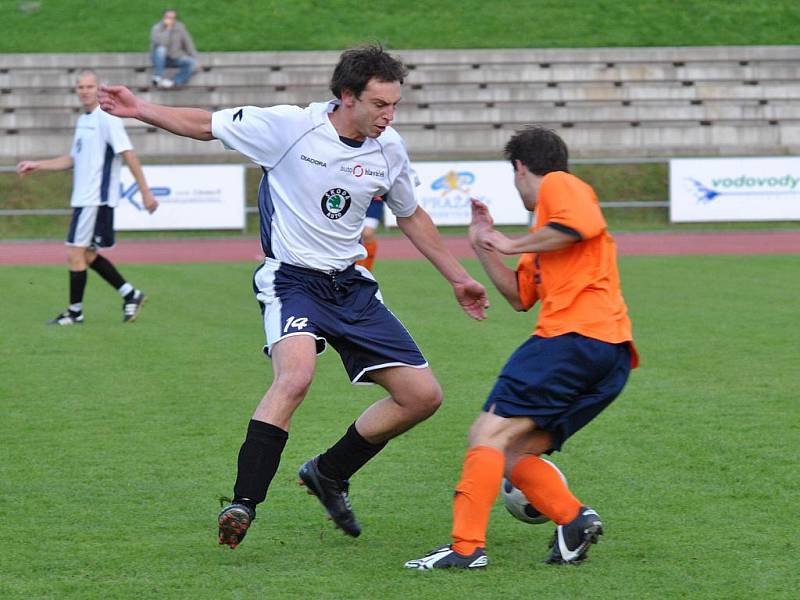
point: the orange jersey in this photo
(579, 286)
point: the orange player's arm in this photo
(544, 239)
(503, 277)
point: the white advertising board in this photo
(734, 189)
(189, 196)
(446, 188)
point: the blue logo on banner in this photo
(705, 194)
(452, 181)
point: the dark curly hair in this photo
(358, 65)
(538, 148)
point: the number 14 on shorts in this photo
(298, 323)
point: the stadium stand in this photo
(606, 102)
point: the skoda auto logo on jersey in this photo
(335, 203)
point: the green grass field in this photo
(117, 441)
(112, 26)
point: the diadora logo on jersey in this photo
(335, 203)
(361, 170)
(313, 161)
(298, 323)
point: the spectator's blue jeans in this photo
(185, 64)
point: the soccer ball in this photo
(517, 504)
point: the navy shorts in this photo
(374, 214)
(561, 383)
(375, 209)
(343, 309)
(91, 227)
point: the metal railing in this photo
(59, 212)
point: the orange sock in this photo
(544, 488)
(475, 495)
(372, 250)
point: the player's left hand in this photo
(149, 201)
(471, 295)
(481, 221)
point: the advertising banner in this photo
(734, 189)
(189, 196)
(446, 188)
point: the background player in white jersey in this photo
(99, 141)
(322, 167)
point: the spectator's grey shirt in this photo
(177, 40)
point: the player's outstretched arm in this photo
(471, 295)
(189, 122)
(503, 277)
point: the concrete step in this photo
(445, 95)
(25, 122)
(423, 57)
(613, 142)
(486, 141)
(593, 139)
(440, 76)
(571, 115)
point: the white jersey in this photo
(99, 140)
(316, 188)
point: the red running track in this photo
(238, 249)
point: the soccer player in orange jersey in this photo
(575, 364)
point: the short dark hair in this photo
(358, 65)
(538, 148)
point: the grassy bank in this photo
(81, 26)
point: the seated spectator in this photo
(172, 46)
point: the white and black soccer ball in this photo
(517, 504)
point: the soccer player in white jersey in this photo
(322, 167)
(99, 141)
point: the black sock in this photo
(258, 461)
(106, 269)
(347, 455)
(77, 284)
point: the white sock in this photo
(77, 307)
(125, 289)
